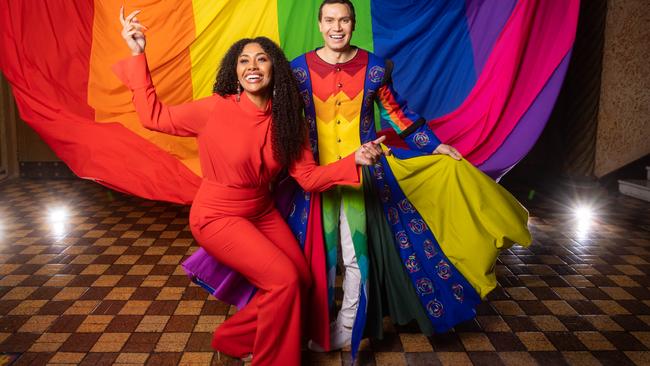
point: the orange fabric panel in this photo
(171, 31)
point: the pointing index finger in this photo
(132, 15)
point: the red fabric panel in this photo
(318, 327)
(45, 56)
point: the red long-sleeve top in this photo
(234, 137)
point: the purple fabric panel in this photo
(485, 19)
(530, 126)
(229, 286)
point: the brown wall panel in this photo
(8, 117)
(31, 147)
(624, 115)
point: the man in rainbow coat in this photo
(390, 228)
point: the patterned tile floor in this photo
(92, 277)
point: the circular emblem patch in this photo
(402, 239)
(421, 139)
(417, 226)
(444, 271)
(429, 249)
(434, 307)
(405, 206)
(367, 101)
(376, 74)
(412, 264)
(300, 74)
(365, 124)
(424, 286)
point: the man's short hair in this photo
(345, 2)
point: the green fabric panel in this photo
(363, 33)
(298, 23)
(354, 208)
(391, 291)
(331, 204)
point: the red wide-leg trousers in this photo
(242, 230)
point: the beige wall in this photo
(624, 114)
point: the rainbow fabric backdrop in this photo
(484, 73)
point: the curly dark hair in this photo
(288, 131)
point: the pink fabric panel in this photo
(533, 43)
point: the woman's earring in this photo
(238, 91)
(273, 91)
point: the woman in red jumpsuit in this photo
(244, 141)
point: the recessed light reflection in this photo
(57, 219)
(584, 217)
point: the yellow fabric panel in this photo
(471, 216)
(336, 140)
(218, 25)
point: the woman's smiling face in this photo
(254, 69)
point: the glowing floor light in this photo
(584, 216)
(57, 219)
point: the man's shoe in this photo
(315, 347)
(341, 337)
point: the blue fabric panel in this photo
(429, 43)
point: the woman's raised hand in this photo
(370, 152)
(133, 32)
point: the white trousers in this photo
(351, 275)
